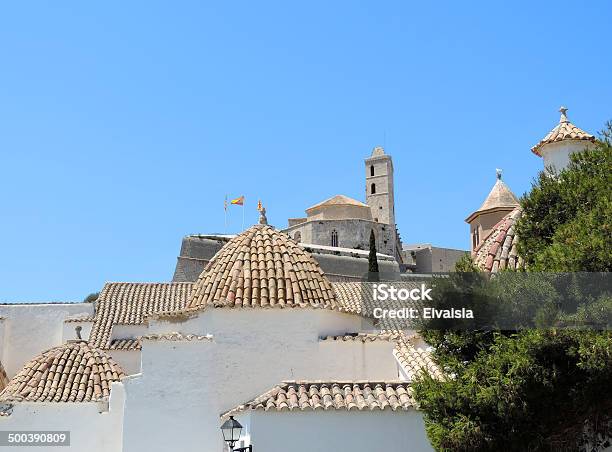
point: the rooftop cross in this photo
(498, 172)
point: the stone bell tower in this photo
(379, 186)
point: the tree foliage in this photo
(545, 388)
(372, 259)
(567, 219)
(92, 297)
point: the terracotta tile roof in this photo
(177, 337)
(130, 303)
(125, 344)
(73, 372)
(338, 200)
(362, 337)
(414, 360)
(79, 319)
(500, 198)
(498, 251)
(565, 130)
(346, 396)
(3, 377)
(262, 267)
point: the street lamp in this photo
(231, 434)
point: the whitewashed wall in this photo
(355, 360)
(33, 328)
(70, 330)
(336, 431)
(557, 155)
(129, 360)
(188, 385)
(90, 429)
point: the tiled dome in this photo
(262, 267)
(498, 251)
(73, 372)
(565, 130)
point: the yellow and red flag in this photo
(238, 201)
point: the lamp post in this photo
(231, 434)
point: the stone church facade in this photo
(343, 222)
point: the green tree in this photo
(567, 219)
(535, 389)
(92, 297)
(372, 259)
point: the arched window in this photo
(334, 238)
(297, 236)
(371, 170)
(373, 189)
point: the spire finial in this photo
(563, 111)
(262, 213)
(498, 173)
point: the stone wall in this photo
(432, 259)
(338, 264)
(352, 233)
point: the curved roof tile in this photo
(498, 251)
(130, 303)
(316, 395)
(565, 130)
(73, 372)
(262, 267)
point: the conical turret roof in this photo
(500, 198)
(565, 130)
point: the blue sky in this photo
(124, 124)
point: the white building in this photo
(262, 335)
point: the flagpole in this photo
(225, 212)
(243, 215)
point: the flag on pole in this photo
(238, 201)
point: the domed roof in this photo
(262, 267)
(565, 130)
(73, 372)
(498, 251)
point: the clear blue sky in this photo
(124, 124)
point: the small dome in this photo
(262, 267)
(73, 372)
(498, 250)
(565, 130)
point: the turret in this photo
(561, 142)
